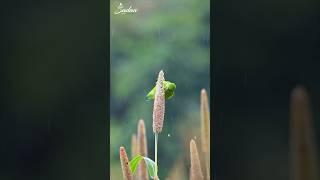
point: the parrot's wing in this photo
(170, 95)
(165, 85)
(151, 94)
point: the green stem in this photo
(156, 155)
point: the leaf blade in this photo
(135, 162)
(150, 166)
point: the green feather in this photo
(169, 88)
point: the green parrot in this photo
(169, 88)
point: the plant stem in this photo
(207, 158)
(156, 155)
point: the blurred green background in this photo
(168, 35)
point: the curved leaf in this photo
(135, 162)
(150, 166)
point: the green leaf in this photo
(135, 162)
(150, 166)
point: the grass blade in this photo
(135, 162)
(150, 166)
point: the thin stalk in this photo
(207, 165)
(156, 155)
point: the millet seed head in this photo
(127, 175)
(195, 170)
(159, 104)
